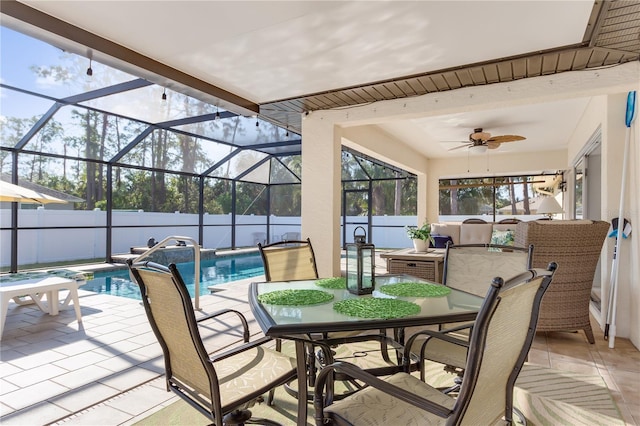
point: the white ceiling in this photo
(546, 127)
(272, 50)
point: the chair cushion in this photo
(376, 408)
(249, 371)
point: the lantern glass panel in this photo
(367, 257)
(352, 268)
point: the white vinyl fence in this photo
(135, 228)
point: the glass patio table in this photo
(297, 322)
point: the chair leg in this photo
(236, 417)
(589, 333)
(522, 419)
(273, 391)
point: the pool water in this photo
(215, 271)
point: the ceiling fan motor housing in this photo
(479, 135)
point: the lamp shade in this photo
(549, 206)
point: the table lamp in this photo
(549, 206)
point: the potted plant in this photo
(421, 236)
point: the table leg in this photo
(52, 298)
(302, 382)
(4, 307)
(37, 298)
(73, 295)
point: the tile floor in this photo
(109, 370)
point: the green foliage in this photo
(420, 233)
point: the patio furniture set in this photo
(476, 314)
(486, 327)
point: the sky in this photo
(17, 54)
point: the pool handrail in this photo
(196, 251)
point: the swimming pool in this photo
(219, 270)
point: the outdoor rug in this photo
(544, 395)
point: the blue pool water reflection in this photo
(220, 270)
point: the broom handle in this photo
(630, 114)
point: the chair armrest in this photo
(239, 349)
(430, 335)
(371, 380)
(438, 335)
(245, 325)
(465, 326)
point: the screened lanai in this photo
(148, 161)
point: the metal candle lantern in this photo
(360, 264)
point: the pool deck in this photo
(109, 370)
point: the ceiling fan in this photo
(483, 140)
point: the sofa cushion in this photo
(448, 229)
(475, 233)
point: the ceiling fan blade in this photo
(506, 138)
(493, 144)
(458, 147)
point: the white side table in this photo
(32, 291)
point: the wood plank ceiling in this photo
(612, 37)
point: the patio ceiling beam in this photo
(252, 168)
(107, 91)
(196, 119)
(38, 126)
(75, 38)
(221, 162)
(287, 168)
(131, 144)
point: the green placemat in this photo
(335, 283)
(413, 289)
(295, 297)
(372, 307)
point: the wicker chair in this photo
(498, 346)
(575, 246)
(221, 386)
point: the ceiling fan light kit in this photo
(478, 149)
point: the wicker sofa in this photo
(575, 245)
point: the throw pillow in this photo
(439, 241)
(502, 238)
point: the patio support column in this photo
(321, 190)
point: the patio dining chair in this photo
(499, 343)
(469, 267)
(289, 260)
(295, 261)
(221, 386)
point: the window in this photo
(496, 198)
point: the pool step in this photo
(122, 258)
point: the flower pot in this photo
(420, 245)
